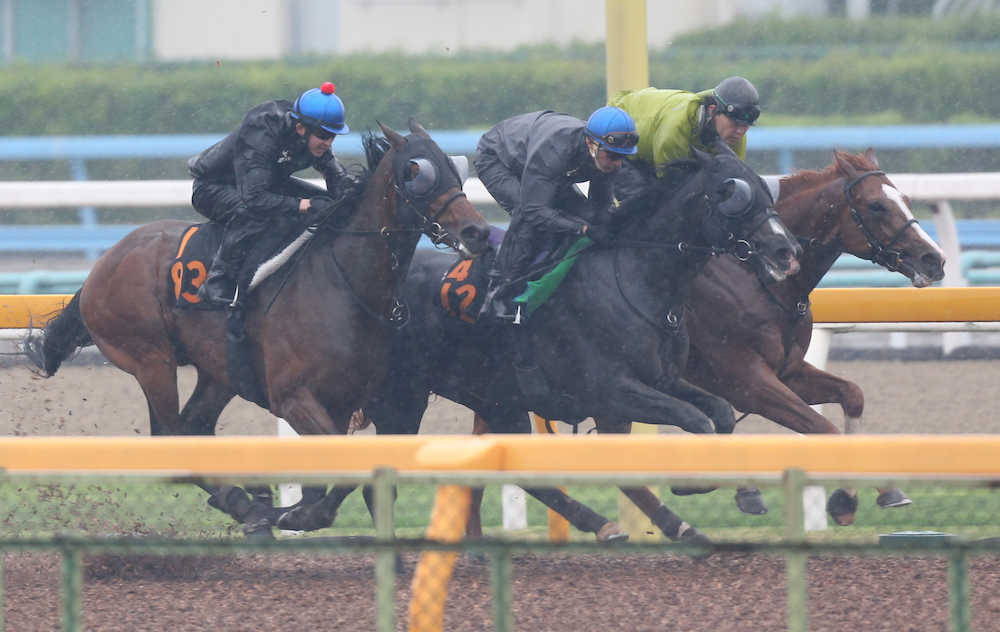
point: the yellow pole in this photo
(430, 580)
(558, 526)
(628, 69)
(626, 45)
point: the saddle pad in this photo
(463, 289)
(197, 246)
(539, 291)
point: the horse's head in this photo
(430, 192)
(738, 215)
(880, 226)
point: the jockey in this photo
(243, 180)
(530, 164)
(671, 122)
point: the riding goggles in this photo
(321, 133)
(746, 115)
(621, 140)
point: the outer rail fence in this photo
(89, 237)
(787, 462)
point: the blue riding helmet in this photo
(613, 129)
(321, 108)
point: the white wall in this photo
(267, 29)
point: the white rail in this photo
(926, 187)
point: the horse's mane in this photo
(375, 149)
(809, 179)
(642, 202)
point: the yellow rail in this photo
(830, 305)
(857, 454)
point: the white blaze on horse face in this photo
(893, 194)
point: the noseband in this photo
(881, 253)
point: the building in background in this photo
(36, 31)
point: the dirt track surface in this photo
(579, 593)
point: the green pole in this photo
(385, 559)
(72, 581)
(626, 45)
(797, 607)
(500, 576)
(958, 591)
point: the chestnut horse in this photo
(749, 338)
(320, 334)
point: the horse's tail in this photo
(63, 335)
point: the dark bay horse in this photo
(749, 338)
(609, 342)
(320, 334)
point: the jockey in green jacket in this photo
(671, 122)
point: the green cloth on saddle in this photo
(540, 290)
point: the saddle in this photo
(197, 246)
(199, 243)
(464, 287)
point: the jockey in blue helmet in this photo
(243, 181)
(321, 109)
(530, 164)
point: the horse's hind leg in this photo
(666, 520)
(816, 386)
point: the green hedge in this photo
(927, 85)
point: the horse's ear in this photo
(702, 157)
(844, 165)
(395, 138)
(871, 157)
(417, 128)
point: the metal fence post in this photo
(958, 591)
(796, 606)
(385, 558)
(72, 581)
(500, 576)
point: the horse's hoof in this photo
(842, 506)
(690, 536)
(751, 502)
(611, 532)
(688, 491)
(893, 498)
(297, 519)
(258, 531)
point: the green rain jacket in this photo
(668, 123)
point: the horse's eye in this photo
(419, 177)
(877, 207)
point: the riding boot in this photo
(219, 287)
(496, 304)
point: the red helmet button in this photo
(327, 87)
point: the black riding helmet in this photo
(737, 98)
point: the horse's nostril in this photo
(474, 236)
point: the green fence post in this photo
(3, 601)
(385, 558)
(796, 593)
(958, 591)
(500, 576)
(72, 581)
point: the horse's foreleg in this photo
(636, 401)
(716, 408)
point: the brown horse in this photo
(320, 334)
(749, 338)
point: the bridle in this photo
(881, 253)
(428, 223)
